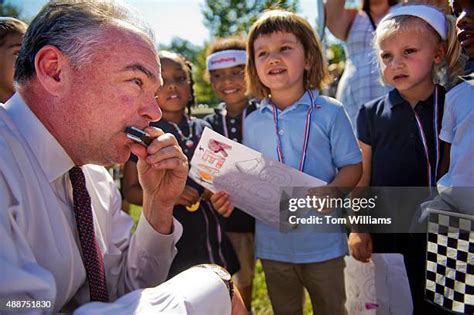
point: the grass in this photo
(260, 300)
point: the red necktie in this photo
(92, 256)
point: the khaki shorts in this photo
(243, 244)
(323, 280)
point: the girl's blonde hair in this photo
(445, 73)
(283, 21)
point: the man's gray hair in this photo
(74, 27)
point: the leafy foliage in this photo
(9, 10)
(234, 17)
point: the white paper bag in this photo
(377, 287)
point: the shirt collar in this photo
(395, 99)
(221, 107)
(304, 101)
(50, 154)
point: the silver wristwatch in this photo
(223, 274)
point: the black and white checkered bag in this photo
(450, 261)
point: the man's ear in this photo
(52, 68)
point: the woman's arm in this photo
(338, 18)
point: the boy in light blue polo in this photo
(309, 132)
(331, 145)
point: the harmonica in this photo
(138, 135)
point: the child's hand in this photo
(189, 196)
(360, 246)
(220, 201)
(207, 194)
(325, 193)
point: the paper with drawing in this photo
(253, 181)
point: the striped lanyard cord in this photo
(432, 172)
(208, 234)
(180, 132)
(224, 121)
(306, 131)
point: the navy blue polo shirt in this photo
(389, 126)
(238, 221)
(234, 125)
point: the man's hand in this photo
(162, 172)
(220, 201)
(360, 246)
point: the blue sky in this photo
(168, 18)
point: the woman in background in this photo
(360, 81)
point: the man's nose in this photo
(151, 110)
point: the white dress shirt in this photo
(40, 256)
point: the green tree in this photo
(9, 10)
(183, 47)
(203, 90)
(225, 18)
(338, 54)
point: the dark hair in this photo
(230, 43)
(221, 44)
(188, 69)
(75, 28)
(10, 26)
(366, 4)
(285, 21)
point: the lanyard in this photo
(306, 132)
(432, 172)
(224, 122)
(188, 141)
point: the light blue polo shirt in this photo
(332, 145)
(457, 185)
(457, 129)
